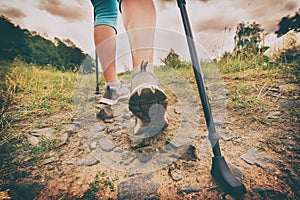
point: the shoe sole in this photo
(148, 104)
(113, 102)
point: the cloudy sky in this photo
(74, 19)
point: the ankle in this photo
(112, 84)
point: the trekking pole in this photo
(97, 70)
(220, 170)
(97, 75)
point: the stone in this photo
(127, 116)
(189, 154)
(254, 157)
(93, 145)
(110, 120)
(288, 103)
(48, 133)
(144, 157)
(226, 135)
(105, 112)
(85, 161)
(141, 187)
(242, 139)
(91, 162)
(274, 115)
(220, 123)
(106, 144)
(180, 141)
(33, 140)
(288, 88)
(221, 97)
(72, 128)
(63, 140)
(187, 190)
(178, 110)
(175, 176)
(96, 128)
(50, 160)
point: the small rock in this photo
(96, 128)
(93, 145)
(239, 140)
(127, 116)
(288, 87)
(189, 154)
(144, 157)
(106, 144)
(48, 133)
(111, 120)
(63, 140)
(175, 176)
(84, 161)
(274, 115)
(187, 190)
(221, 97)
(178, 110)
(227, 136)
(254, 157)
(118, 150)
(141, 187)
(180, 141)
(220, 123)
(33, 140)
(114, 131)
(50, 160)
(105, 112)
(72, 128)
(91, 162)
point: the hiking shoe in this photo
(113, 94)
(147, 101)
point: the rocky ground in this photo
(100, 158)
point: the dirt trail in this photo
(101, 160)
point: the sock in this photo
(112, 84)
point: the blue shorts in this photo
(106, 12)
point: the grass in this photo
(101, 184)
(31, 97)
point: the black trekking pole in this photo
(97, 74)
(97, 70)
(220, 170)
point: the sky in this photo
(213, 21)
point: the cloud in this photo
(12, 12)
(290, 5)
(69, 12)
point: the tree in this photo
(248, 38)
(288, 23)
(32, 47)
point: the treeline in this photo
(31, 47)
